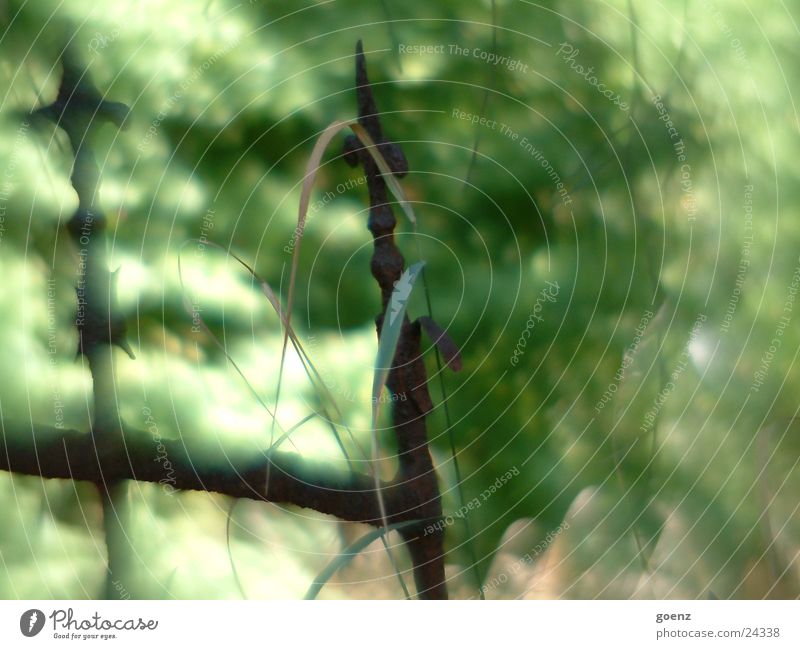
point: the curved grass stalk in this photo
(344, 559)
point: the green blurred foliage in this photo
(227, 101)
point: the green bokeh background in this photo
(227, 100)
